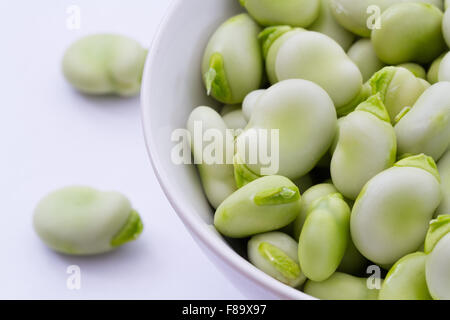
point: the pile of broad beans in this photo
(361, 106)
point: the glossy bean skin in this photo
(235, 119)
(363, 55)
(437, 246)
(426, 128)
(327, 24)
(302, 56)
(80, 220)
(232, 64)
(249, 103)
(217, 178)
(273, 39)
(104, 64)
(433, 71)
(415, 69)
(275, 253)
(446, 26)
(324, 237)
(366, 146)
(408, 192)
(398, 87)
(444, 68)
(341, 286)
(266, 204)
(305, 118)
(297, 13)
(308, 198)
(406, 279)
(437, 266)
(406, 30)
(355, 15)
(226, 109)
(444, 171)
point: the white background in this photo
(52, 136)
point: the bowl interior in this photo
(172, 88)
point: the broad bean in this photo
(266, 204)
(409, 32)
(426, 127)
(105, 64)
(406, 279)
(217, 178)
(324, 237)
(84, 221)
(366, 145)
(390, 216)
(363, 55)
(275, 253)
(327, 24)
(437, 246)
(399, 88)
(315, 57)
(305, 118)
(341, 286)
(444, 171)
(232, 63)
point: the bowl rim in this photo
(191, 221)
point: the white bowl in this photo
(172, 87)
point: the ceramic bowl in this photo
(172, 87)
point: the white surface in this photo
(51, 136)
